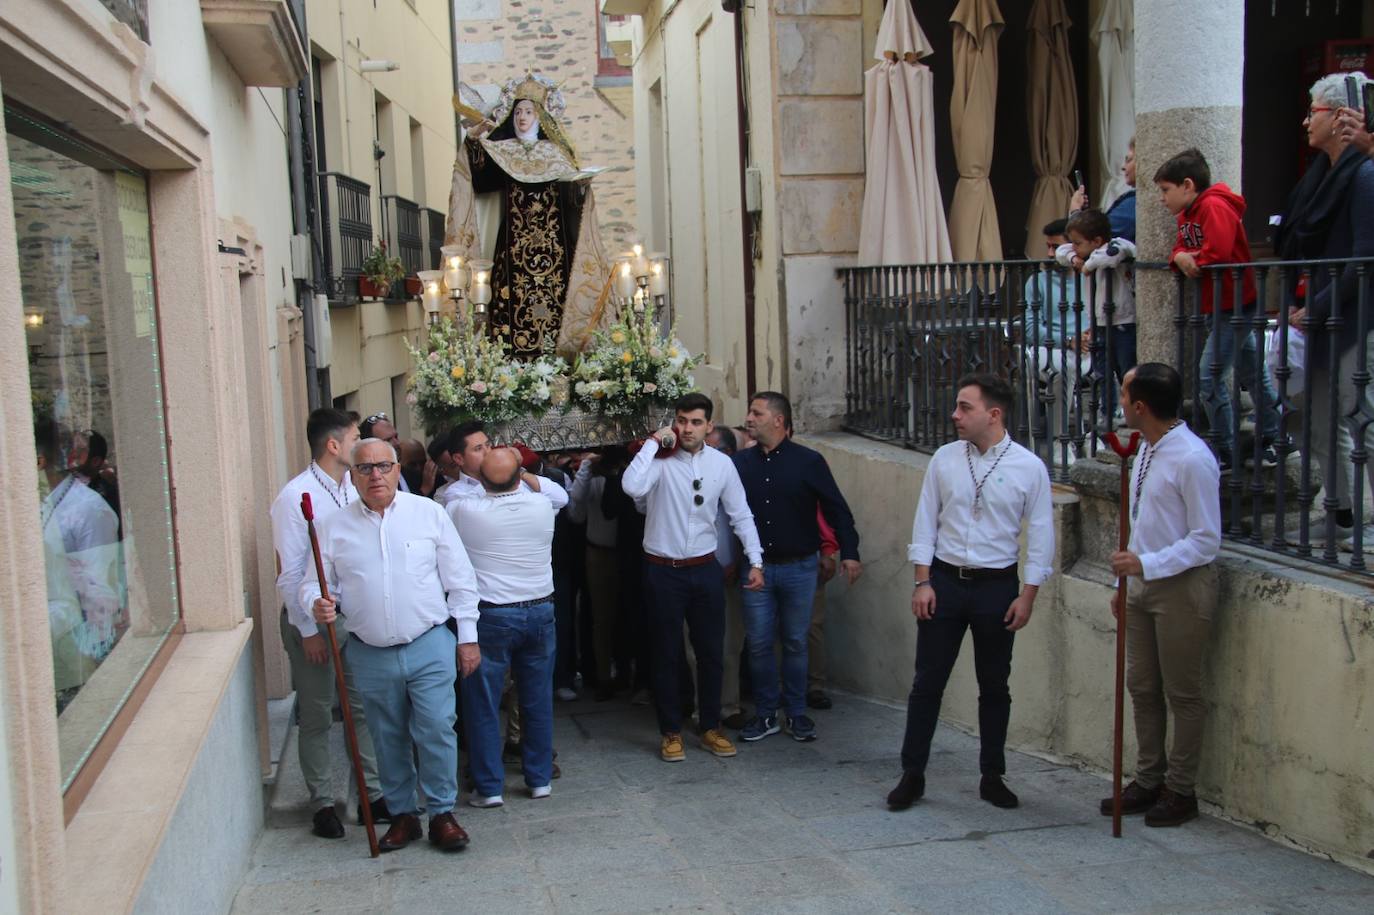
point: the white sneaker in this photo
(1366, 541)
(565, 694)
(538, 793)
(478, 801)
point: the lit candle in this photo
(455, 271)
(431, 293)
(641, 263)
(639, 301)
(625, 281)
(481, 289)
(658, 282)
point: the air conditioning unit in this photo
(324, 333)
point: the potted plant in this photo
(413, 286)
(380, 273)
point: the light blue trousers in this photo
(407, 693)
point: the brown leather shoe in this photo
(1134, 799)
(405, 828)
(445, 832)
(1172, 809)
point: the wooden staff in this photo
(350, 736)
(1123, 536)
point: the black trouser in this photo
(980, 606)
(696, 595)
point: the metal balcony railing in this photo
(913, 331)
(346, 216)
(433, 222)
(403, 232)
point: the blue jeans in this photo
(407, 694)
(782, 610)
(1216, 393)
(523, 641)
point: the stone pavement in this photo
(789, 827)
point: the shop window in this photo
(90, 317)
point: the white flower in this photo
(650, 387)
(412, 398)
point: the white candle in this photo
(481, 289)
(431, 295)
(641, 263)
(658, 283)
(625, 281)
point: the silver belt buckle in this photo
(964, 573)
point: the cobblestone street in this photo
(788, 827)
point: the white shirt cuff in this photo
(308, 628)
(920, 554)
(467, 632)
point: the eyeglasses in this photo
(698, 499)
(382, 467)
(376, 417)
(1316, 109)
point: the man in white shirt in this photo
(1171, 596)
(398, 573)
(468, 444)
(331, 435)
(977, 493)
(683, 581)
(508, 534)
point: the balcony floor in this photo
(791, 827)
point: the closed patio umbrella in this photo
(1051, 117)
(903, 218)
(974, 233)
(1114, 36)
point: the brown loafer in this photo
(405, 828)
(445, 832)
(1134, 799)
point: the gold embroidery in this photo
(535, 260)
(538, 161)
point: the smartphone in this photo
(1078, 179)
(1369, 107)
(1352, 93)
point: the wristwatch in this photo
(756, 565)
(925, 583)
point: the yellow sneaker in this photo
(714, 741)
(671, 750)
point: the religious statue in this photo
(550, 276)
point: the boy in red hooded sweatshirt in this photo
(1210, 232)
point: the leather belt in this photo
(967, 573)
(532, 602)
(783, 560)
(679, 563)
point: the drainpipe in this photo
(746, 218)
(300, 113)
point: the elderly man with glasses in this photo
(380, 426)
(398, 574)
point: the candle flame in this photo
(639, 250)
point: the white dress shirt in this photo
(584, 507)
(395, 575)
(1178, 523)
(83, 566)
(1018, 490)
(466, 487)
(675, 526)
(509, 539)
(291, 540)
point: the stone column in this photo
(1189, 60)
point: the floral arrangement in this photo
(464, 375)
(382, 269)
(630, 367)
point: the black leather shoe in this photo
(1134, 799)
(1171, 809)
(817, 698)
(995, 792)
(908, 791)
(326, 824)
(379, 812)
(735, 722)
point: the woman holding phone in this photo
(1122, 211)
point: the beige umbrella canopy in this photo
(1114, 36)
(1051, 117)
(973, 229)
(903, 215)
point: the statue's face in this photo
(524, 116)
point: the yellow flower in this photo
(458, 371)
(672, 352)
(617, 337)
(626, 358)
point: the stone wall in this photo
(500, 40)
(1289, 670)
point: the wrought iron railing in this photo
(346, 216)
(433, 222)
(403, 232)
(914, 330)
